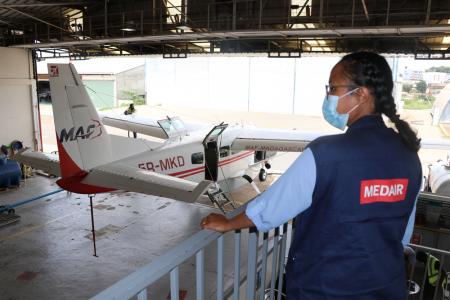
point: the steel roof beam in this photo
(406, 31)
(36, 18)
(366, 12)
(42, 4)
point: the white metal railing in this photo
(270, 245)
(415, 276)
(266, 253)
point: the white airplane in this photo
(182, 167)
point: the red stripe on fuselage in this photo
(190, 172)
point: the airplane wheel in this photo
(262, 175)
(267, 165)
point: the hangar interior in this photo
(47, 254)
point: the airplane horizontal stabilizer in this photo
(49, 163)
(121, 176)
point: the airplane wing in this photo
(124, 177)
(137, 124)
(296, 141)
(273, 140)
(48, 163)
(435, 144)
(145, 125)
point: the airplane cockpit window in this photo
(224, 151)
(172, 126)
(197, 158)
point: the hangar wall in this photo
(240, 83)
(255, 84)
(18, 100)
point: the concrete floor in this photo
(48, 254)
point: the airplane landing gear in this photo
(262, 175)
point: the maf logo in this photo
(54, 72)
(91, 132)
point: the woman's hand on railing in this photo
(215, 222)
(220, 223)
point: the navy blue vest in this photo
(347, 245)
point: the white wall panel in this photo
(192, 81)
(228, 82)
(18, 101)
(271, 84)
(15, 63)
(312, 74)
(160, 80)
(261, 84)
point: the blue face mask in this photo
(329, 110)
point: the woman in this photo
(353, 194)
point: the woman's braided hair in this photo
(372, 71)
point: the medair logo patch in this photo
(383, 190)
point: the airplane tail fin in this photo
(83, 142)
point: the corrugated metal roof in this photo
(10, 10)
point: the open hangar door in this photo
(19, 117)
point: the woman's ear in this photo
(364, 94)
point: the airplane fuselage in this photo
(184, 157)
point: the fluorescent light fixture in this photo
(183, 27)
(128, 29)
(16, 32)
(202, 44)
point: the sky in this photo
(421, 65)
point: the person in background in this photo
(352, 195)
(131, 110)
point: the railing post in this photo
(220, 268)
(174, 283)
(142, 295)
(264, 265)
(282, 258)
(424, 277)
(274, 262)
(200, 274)
(251, 265)
(441, 263)
(237, 261)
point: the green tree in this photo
(442, 69)
(407, 87)
(421, 86)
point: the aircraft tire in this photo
(262, 175)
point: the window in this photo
(197, 158)
(224, 151)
